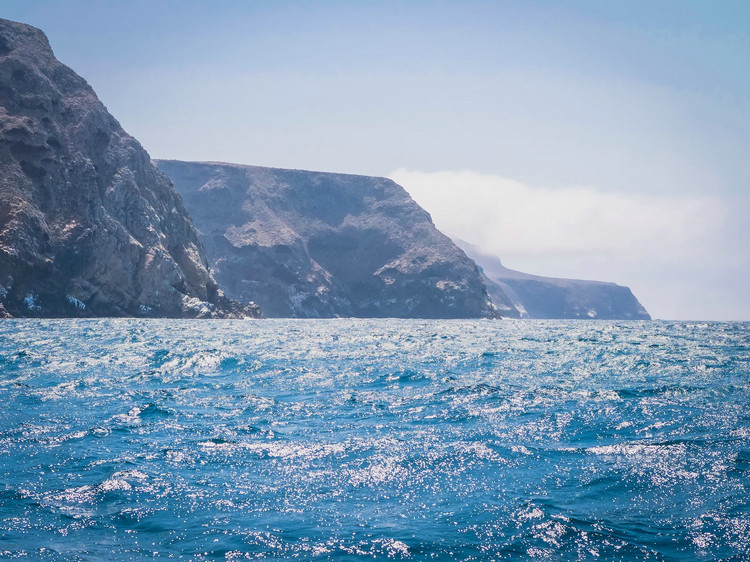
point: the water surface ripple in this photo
(337, 439)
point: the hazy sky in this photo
(594, 139)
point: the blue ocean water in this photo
(338, 439)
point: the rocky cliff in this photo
(521, 295)
(88, 226)
(311, 244)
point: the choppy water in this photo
(122, 439)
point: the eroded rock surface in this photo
(88, 225)
(312, 244)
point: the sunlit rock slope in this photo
(88, 226)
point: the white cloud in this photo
(681, 255)
(510, 218)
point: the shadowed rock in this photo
(88, 226)
(312, 244)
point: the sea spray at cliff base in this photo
(401, 438)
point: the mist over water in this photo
(334, 439)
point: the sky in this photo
(588, 139)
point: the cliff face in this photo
(310, 244)
(521, 295)
(88, 226)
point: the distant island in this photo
(91, 227)
(521, 295)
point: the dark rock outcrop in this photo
(311, 244)
(88, 225)
(521, 295)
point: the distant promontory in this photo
(314, 244)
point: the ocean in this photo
(123, 439)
